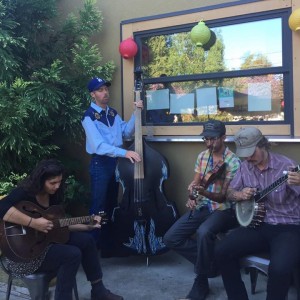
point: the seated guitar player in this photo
(278, 233)
(43, 189)
(193, 235)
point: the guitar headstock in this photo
(104, 219)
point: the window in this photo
(239, 77)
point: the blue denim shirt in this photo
(105, 131)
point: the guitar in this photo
(20, 243)
(251, 213)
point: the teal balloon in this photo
(200, 34)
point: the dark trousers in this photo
(64, 260)
(281, 241)
(104, 193)
(204, 225)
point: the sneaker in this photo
(107, 295)
(200, 289)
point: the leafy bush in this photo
(76, 192)
(45, 65)
(12, 180)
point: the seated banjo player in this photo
(28, 223)
(265, 177)
(209, 213)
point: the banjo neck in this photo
(259, 196)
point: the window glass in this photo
(238, 76)
(242, 46)
(250, 98)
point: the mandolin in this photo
(208, 179)
(21, 243)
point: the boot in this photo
(200, 288)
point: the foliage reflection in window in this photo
(241, 46)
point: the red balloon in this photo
(128, 48)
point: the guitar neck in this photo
(260, 195)
(73, 221)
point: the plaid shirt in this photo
(204, 164)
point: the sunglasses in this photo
(206, 138)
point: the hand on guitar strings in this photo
(42, 224)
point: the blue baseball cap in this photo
(96, 83)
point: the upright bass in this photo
(144, 214)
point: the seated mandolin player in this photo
(40, 192)
(193, 235)
(263, 178)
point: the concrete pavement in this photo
(166, 277)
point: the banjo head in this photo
(245, 212)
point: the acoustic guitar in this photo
(21, 243)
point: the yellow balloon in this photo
(294, 20)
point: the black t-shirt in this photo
(19, 194)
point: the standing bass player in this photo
(209, 213)
(278, 231)
(42, 191)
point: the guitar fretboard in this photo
(74, 221)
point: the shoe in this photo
(200, 289)
(108, 295)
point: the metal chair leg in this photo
(9, 284)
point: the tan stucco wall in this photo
(181, 155)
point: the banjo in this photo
(251, 213)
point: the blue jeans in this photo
(64, 260)
(204, 225)
(281, 241)
(104, 193)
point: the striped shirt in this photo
(283, 204)
(204, 164)
(105, 131)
